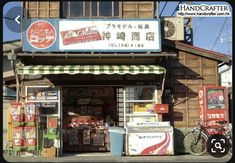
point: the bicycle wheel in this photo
(195, 142)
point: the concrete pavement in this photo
(106, 157)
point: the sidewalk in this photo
(106, 157)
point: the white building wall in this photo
(226, 76)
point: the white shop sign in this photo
(110, 35)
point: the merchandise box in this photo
(18, 142)
(17, 132)
(30, 132)
(30, 142)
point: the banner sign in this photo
(92, 35)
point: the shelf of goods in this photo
(85, 133)
(23, 126)
(84, 112)
(145, 134)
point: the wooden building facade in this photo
(192, 68)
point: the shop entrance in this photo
(87, 114)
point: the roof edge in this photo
(197, 51)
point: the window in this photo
(91, 9)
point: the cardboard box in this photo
(48, 152)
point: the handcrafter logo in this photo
(87, 34)
(203, 10)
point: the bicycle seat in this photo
(221, 122)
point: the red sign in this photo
(41, 34)
(213, 105)
(161, 108)
(82, 35)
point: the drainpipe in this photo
(12, 56)
(157, 10)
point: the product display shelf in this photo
(47, 100)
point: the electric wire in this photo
(221, 29)
(8, 18)
(163, 8)
(176, 8)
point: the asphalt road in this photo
(108, 158)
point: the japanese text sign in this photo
(98, 35)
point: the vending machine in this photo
(213, 106)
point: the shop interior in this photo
(87, 112)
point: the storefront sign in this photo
(40, 34)
(213, 105)
(97, 35)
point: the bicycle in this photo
(195, 140)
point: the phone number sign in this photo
(96, 35)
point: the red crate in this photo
(17, 132)
(161, 108)
(16, 117)
(18, 142)
(30, 142)
(30, 132)
(29, 117)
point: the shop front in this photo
(75, 118)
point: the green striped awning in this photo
(90, 69)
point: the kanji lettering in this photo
(106, 35)
(121, 36)
(135, 36)
(150, 36)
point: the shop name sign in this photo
(93, 35)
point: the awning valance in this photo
(90, 69)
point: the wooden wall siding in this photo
(185, 75)
(42, 9)
(130, 9)
(134, 9)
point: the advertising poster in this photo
(215, 99)
(52, 122)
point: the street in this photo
(105, 157)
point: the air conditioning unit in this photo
(172, 28)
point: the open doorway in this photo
(87, 113)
